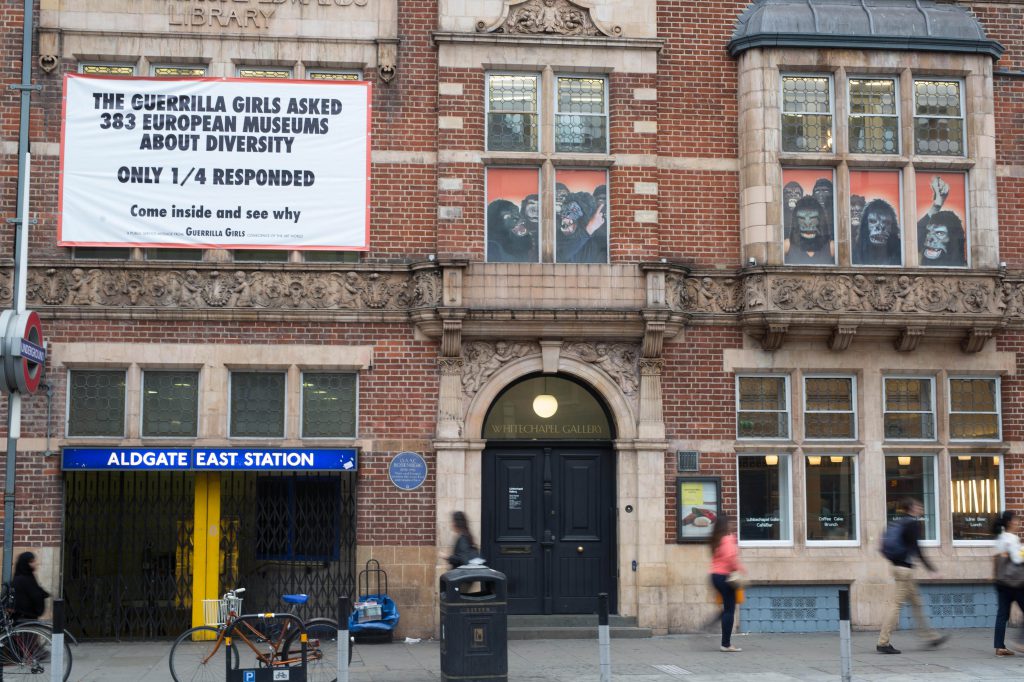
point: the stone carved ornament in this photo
(621, 361)
(270, 290)
(547, 17)
(481, 359)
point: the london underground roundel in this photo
(23, 350)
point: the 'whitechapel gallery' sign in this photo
(215, 162)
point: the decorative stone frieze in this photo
(484, 358)
(621, 361)
(547, 17)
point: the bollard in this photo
(344, 609)
(57, 644)
(604, 637)
(844, 635)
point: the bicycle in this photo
(26, 648)
(271, 646)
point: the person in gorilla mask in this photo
(809, 243)
(508, 238)
(581, 234)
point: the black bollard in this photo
(57, 651)
(344, 608)
(604, 637)
(844, 635)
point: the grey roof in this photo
(861, 24)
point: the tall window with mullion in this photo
(829, 411)
(912, 476)
(806, 114)
(764, 501)
(909, 408)
(762, 407)
(974, 408)
(938, 117)
(298, 518)
(581, 118)
(257, 404)
(170, 404)
(96, 400)
(513, 113)
(874, 116)
(328, 405)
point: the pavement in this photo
(968, 655)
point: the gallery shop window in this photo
(909, 408)
(96, 403)
(170, 404)
(807, 113)
(913, 476)
(974, 408)
(762, 407)
(519, 230)
(257, 404)
(328, 405)
(939, 117)
(297, 518)
(874, 122)
(976, 495)
(765, 493)
(513, 112)
(830, 408)
(831, 490)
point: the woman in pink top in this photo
(725, 559)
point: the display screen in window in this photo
(912, 476)
(831, 503)
(764, 498)
(974, 497)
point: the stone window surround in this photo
(761, 160)
(214, 364)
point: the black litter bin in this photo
(474, 626)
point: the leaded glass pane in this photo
(257, 404)
(974, 413)
(264, 73)
(512, 113)
(762, 393)
(829, 425)
(179, 71)
(762, 408)
(108, 69)
(96, 403)
(581, 124)
(908, 409)
(332, 76)
(170, 404)
(938, 123)
(328, 405)
(806, 114)
(873, 116)
(829, 394)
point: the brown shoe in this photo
(1004, 652)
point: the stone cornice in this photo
(519, 40)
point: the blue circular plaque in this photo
(407, 470)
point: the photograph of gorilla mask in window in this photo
(513, 211)
(874, 218)
(808, 230)
(942, 229)
(581, 220)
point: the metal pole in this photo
(57, 650)
(604, 643)
(343, 644)
(845, 662)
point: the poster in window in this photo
(697, 507)
(942, 223)
(808, 216)
(513, 215)
(581, 216)
(875, 209)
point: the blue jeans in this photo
(719, 580)
(1007, 595)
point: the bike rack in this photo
(291, 673)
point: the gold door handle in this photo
(579, 550)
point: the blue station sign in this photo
(208, 459)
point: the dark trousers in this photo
(1007, 595)
(728, 605)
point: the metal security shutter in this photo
(790, 608)
(955, 606)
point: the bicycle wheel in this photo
(28, 651)
(48, 631)
(321, 650)
(197, 660)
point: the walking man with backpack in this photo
(899, 545)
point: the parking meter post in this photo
(344, 609)
(604, 637)
(57, 650)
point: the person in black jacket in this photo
(29, 596)
(906, 587)
(465, 548)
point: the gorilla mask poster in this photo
(581, 216)
(942, 227)
(513, 215)
(875, 210)
(808, 216)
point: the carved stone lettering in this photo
(245, 15)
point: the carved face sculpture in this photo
(791, 194)
(856, 209)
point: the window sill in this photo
(557, 158)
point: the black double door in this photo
(548, 524)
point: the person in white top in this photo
(1008, 545)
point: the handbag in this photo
(1009, 574)
(737, 580)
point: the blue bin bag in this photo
(388, 615)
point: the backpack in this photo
(893, 547)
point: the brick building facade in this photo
(799, 393)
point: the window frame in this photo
(998, 405)
(67, 407)
(231, 402)
(83, 66)
(256, 67)
(302, 404)
(789, 406)
(556, 114)
(160, 65)
(857, 542)
(310, 71)
(898, 115)
(1001, 483)
(538, 76)
(142, 399)
(785, 486)
(937, 511)
(853, 407)
(830, 76)
(962, 118)
(934, 408)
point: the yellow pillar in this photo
(206, 544)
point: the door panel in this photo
(581, 551)
(514, 526)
